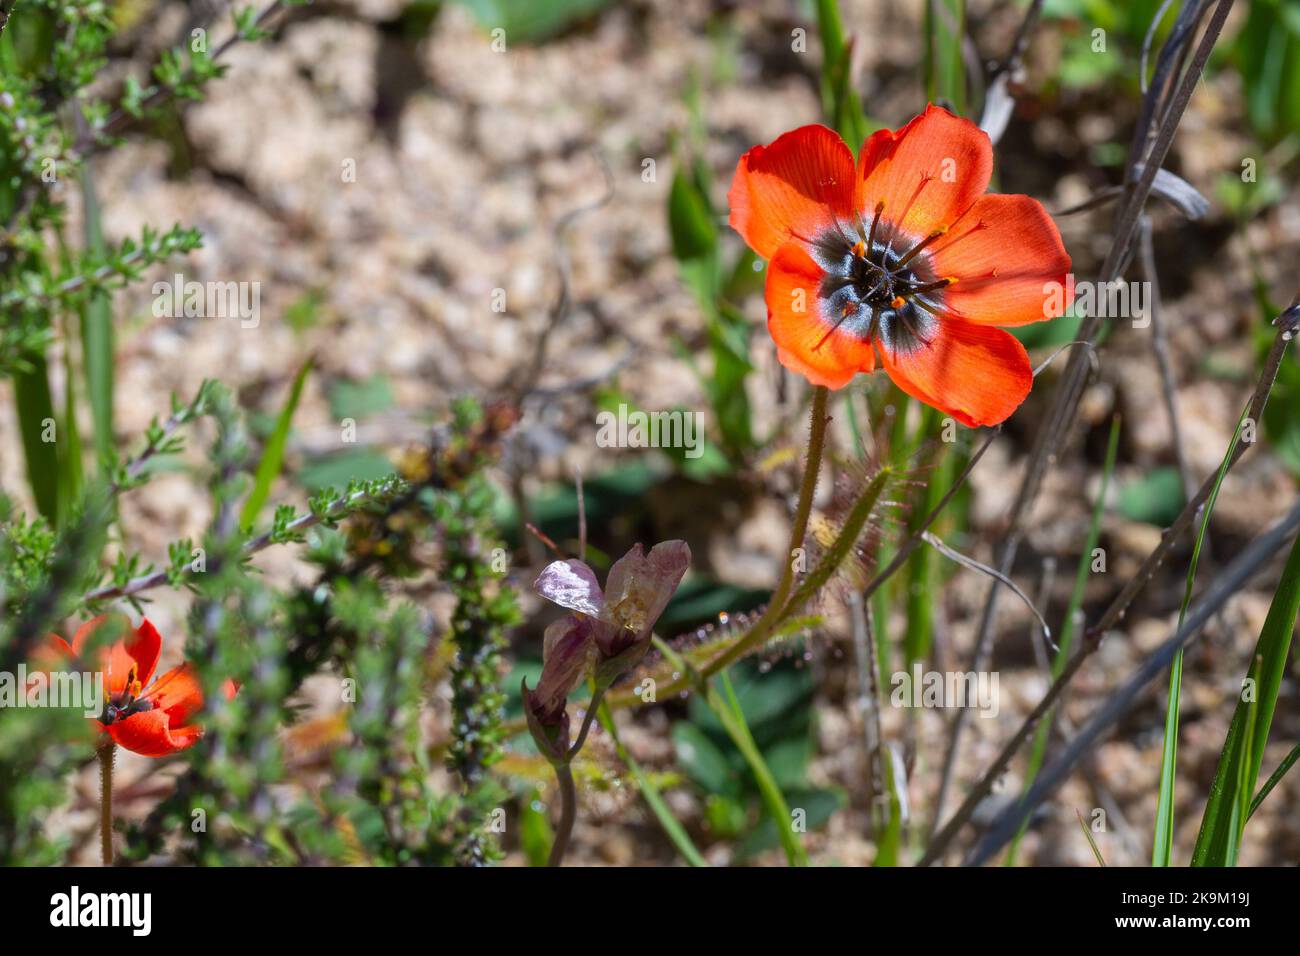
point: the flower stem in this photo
(592, 708)
(568, 811)
(772, 616)
(106, 753)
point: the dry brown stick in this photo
(864, 650)
(1160, 346)
(1234, 576)
(1067, 397)
(522, 383)
(1118, 607)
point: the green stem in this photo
(568, 811)
(733, 721)
(772, 616)
(106, 752)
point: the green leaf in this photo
(703, 762)
(97, 333)
(273, 454)
(71, 465)
(337, 470)
(840, 101)
(945, 65)
(535, 834)
(663, 813)
(531, 21)
(359, 399)
(1274, 778)
(1243, 749)
(1156, 498)
(690, 220)
(729, 711)
(36, 421)
(818, 806)
(1164, 830)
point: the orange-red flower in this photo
(150, 719)
(900, 258)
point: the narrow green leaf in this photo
(37, 424)
(733, 720)
(1162, 845)
(663, 813)
(840, 101)
(273, 455)
(71, 466)
(1243, 748)
(945, 64)
(97, 333)
(1287, 762)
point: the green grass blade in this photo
(1066, 641)
(840, 101)
(71, 466)
(1162, 845)
(1226, 811)
(733, 721)
(663, 813)
(97, 334)
(945, 65)
(1287, 762)
(273, 455)
(37, 423)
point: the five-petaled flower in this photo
(609, 631)
(901, 259)
(152, 719)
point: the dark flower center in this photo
(128, 702)
(879, 285)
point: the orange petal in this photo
(1008, 260)
(150, 734)
(177, 693)
(54, 652)
(136, 648)
(927, 174)
(798, 324)
(795, 186)
(976, 373)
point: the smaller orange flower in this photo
(150, 719)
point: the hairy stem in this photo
(106, 753)
(776, 608)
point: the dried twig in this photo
(1118, 607)
(1065, 404)
(522, 383)
(1160, 346)
(1225, 585)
